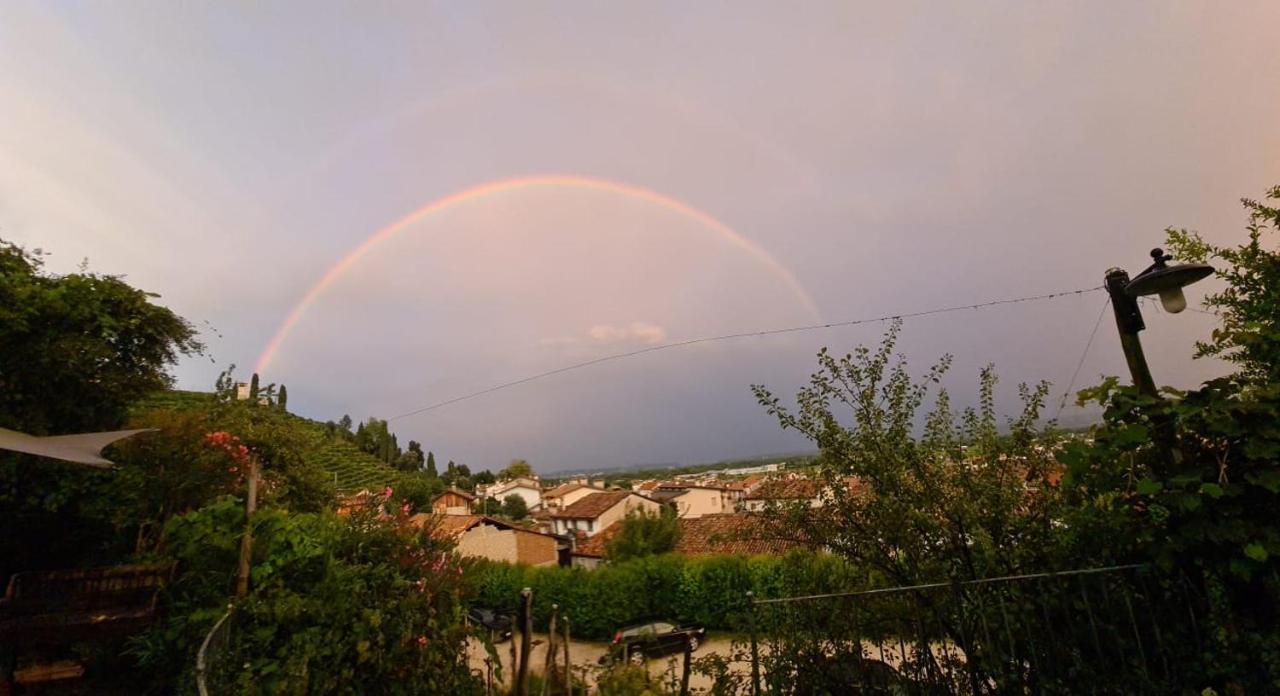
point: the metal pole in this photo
(1129, 323)
(755, 645)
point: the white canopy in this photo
(84, 448)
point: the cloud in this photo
(637, 332)
(607, 334)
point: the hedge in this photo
(708, 591)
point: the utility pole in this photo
(1129, 323)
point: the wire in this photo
(727, 337)
(1089, 344)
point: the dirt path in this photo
(585, 655)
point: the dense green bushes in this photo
(710, 591)
(359, 604)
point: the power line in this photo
(727, 337)
(1089, 344)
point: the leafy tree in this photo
(952, 502)
(643, 534)
(431, 465)
(345, 423)
(1250, 331)
(282, 400)
(1190, 481)
(514, 507)
(518, 468)
(482, 478)
(253, 389)
(76, 350)
(411, 459)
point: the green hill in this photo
(351, 468)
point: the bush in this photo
(710, 591)
(364, 603)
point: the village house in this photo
(696, 500)
(599, 511)
(742, 534)
(784, 491)
(453, 502)
(567, 494)
(525, 487)
(484, 537)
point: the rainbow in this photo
(523, 183)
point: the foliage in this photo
(514, 507)
(962, 500)
(1250, 331)
(282, 401)
(431, 465)
(76, 350)
(365, 603)
(1190, 481)
(643, 534)
(709, 591)
(518, 468)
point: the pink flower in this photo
(422, 640)
(386, 492)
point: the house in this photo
(695, 500)
(484, 537)
(525, 487)
(742, 534)
(783, 491)
(453, 502)
(599, 511)
(646, 488)
(567, 494)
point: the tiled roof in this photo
(562, 489)
(785, 489)
(457, 525)
(648, 485)
(710, 535)
(593, 505)
(455, 491)
(739, 533)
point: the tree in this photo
(953, 502)
(483, 478)
(431, 465)
(283, 399)
(518, 468)
(76, 350)
(644, 534)
(514, 507)
(253, 389)
(412, 458)
(1250, 331)
(345, 423)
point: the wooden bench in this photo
(68, 606)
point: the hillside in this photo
(351, 468)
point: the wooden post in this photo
(246, 541)
(684, 676)
(568, 667)
(549, 664)
(515, 657)
(755, 645)
(526, 629)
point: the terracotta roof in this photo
(710, 535)
(457, 525)
(737, 533)
(785, 489)
(593, 505)
(594, 546)
(684, 486)
(562, 489)
(648, 485)
(455, 491)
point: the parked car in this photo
(498, 625)
(652, 639)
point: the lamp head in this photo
(1167, 281)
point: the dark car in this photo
(498, 625)
(652, 639)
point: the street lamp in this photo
(1158, 279)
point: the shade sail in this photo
(83, 448)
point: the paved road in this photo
(584, 656)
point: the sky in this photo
(389, 205)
